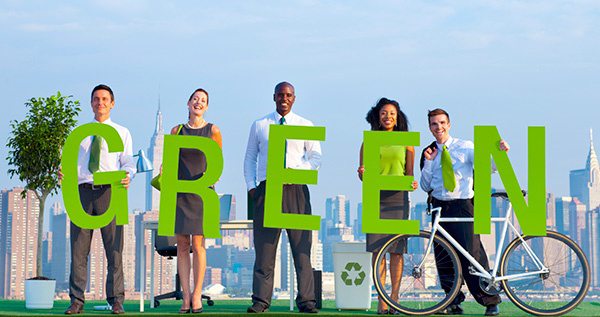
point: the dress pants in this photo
(96, 202)
(296, 199)
(463, 233)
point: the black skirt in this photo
(394, 205)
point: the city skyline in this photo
(508, 64)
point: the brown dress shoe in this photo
(75, 308)
(117, 309)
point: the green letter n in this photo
(532, 217)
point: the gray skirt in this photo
(394, 205)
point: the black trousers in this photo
(96, 202)
(296, 199)
(463, 233)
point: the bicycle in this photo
(544, 276)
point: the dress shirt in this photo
(461, 153)
(108, 161)
(300, 154)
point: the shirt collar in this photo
(448, 142)
(287, 116)
(107, 121)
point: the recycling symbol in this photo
(360, 277)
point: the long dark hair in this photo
(373, 115)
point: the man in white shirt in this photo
(296, 199)
(447, 174)
(95, 199)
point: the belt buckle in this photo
(96, 187)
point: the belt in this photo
(93, 187)
(449, 202)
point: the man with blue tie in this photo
(95, 199)
(447, 175)
(296, 199)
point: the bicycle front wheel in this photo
(425, 286)
(553, 293)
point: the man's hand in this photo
(430, 154)
(360, 171)
(251, 193)
(60, 175)
(504, 146)
(125, 181)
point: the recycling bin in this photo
(352, 275)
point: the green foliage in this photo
(36, 142)
(34, 150)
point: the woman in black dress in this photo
(189, 213)
(399, 161)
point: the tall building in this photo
(585, 183)
(358, 234)
(164, 269)
(19, 241)
(155, 155)
(129, 254)
(3, 230)
(338, 210)
(562, 214)
(594, 246)
(61, 247)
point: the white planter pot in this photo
(39, 294)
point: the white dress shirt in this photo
(461, 153)
(300, 154)
(108, 161)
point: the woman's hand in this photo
(415, 185)
(360, 171)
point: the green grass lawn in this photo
(238, 307)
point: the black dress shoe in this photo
(492, 310)
(257, 308)
(118, 309)
(308, 309)
(75, 308)
(452, 310)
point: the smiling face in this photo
(284, 98)
(439, 125)
(198, 103)
(388, 116)
(102, 104)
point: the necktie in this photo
(94, 163)
(447, 171)
(282, 122)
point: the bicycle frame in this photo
(479, 270)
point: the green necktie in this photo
(282, 122)
(447, 171)
(94, 163)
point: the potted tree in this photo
(34, 156)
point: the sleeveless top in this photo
(393, 160)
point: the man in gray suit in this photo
(95, 199)
(296, 199)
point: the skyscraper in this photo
(562, 214)
(155, 154)
(585, 183)
(18, 241)
(61, 252)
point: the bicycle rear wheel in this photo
(546, 294)
(420, 291)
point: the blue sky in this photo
(512, 64)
